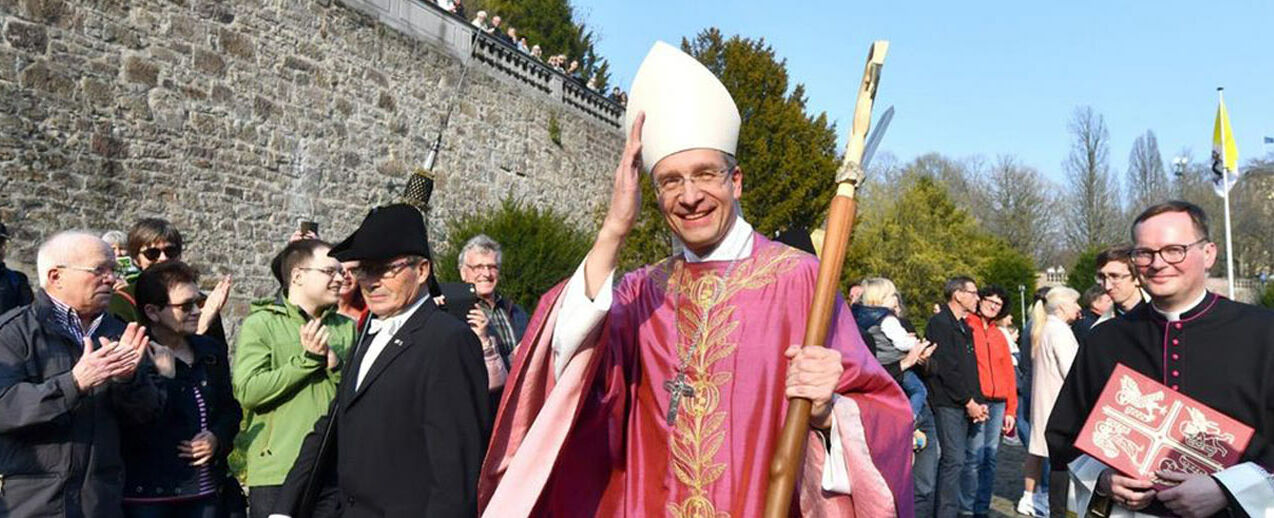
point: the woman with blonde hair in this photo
(1053, 348)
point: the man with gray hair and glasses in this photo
(504, 321)
(68, 376)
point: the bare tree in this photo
(1147, 181)
(1092, 211)
(1020, 208)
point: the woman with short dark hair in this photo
(175, 464)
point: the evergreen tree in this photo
(539, 248)
(1009, 268)
(918, 240)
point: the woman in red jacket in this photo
(999, 387)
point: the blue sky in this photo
(990, 78)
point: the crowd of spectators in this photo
(154, 394)
(497, 28)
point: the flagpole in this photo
(1225, 185)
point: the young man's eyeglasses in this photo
(676, 184)
(1171, 254)
(1111, 277)
(170, 251)
(382, 270)
(335, 271)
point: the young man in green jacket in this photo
(287, 365)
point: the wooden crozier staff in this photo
(790, 451)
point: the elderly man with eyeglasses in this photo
(67, 382)
(504, 321)
(1217, 351)
(407, 430)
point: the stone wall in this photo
(233, 118)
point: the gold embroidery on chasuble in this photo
(700, 431)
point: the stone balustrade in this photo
(424, 20)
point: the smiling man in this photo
(1205, 346)
(480, 262)
(664, 394)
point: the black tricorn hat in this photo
(387, 232)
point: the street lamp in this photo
(1179, 165)
(1021, 298)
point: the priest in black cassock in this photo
(407, 431)
(1207, 347)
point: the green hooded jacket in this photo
(283, 388)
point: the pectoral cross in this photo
(677, 388)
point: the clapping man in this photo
(67, 379)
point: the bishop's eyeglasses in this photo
(1171, 254)
(674, 184)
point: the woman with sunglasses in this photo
(175, 465)
(154, 241)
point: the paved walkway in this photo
(1008, 480)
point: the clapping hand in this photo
(199, 449)
(215, 302)
(165, 361)
(314, 338)
(113, 360)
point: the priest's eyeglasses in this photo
(674, 184)
(1171, 254)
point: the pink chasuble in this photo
(596, 442)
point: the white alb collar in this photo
(1173, 316)
(737, 244)
(394, 323)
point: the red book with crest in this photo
(1140, 426)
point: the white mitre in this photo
(686, 106)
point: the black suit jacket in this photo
(410, 440)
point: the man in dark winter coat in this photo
(67, 379)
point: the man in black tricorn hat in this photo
(407, 431)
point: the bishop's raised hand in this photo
(625, 200)
(625, 205)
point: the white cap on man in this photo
(686, 106)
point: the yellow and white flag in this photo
(1225, 153)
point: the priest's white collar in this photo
(1173, 316)
(737, 244)
(394, 323)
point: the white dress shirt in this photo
(383, 331)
